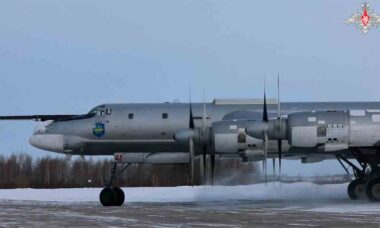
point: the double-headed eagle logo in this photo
(364, 19)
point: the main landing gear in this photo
(367, 177)
(113, 195)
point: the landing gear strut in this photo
(367, 178)
(356, 188)
(113, 195)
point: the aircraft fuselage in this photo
(151, 127)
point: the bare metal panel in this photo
(226, 143)
(357, 113)
(243, 101)
(364, 135)
(304, 136)
(330, 147)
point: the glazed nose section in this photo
(49, 142)
(42, 128)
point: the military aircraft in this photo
(248, 129)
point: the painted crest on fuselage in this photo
(99, 129)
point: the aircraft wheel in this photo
(356, 190)
(120, 197)
(373, 190)
(108, 197)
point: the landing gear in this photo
(356, 190)
(367, 177)
(373, 190)
(112, 195)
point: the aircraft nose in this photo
(42, 128)
(49, 142)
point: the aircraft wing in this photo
(38, 117)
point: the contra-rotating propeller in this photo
(205, 146)
(199, 136)
(204, 143)
(279, 141)
(269, 129)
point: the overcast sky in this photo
(67, 56)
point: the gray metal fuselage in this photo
(144, 128)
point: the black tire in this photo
(354, 189)
(120, 197)
(107, 197)
(373, 190)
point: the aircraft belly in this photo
(109, 148)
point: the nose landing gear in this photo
(113, 195)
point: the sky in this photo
(65, 57)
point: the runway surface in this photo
(205, 214)
(295, 205)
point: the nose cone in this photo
(47, 142)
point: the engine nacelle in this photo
(334, 130)
(230, 137)
(309, 129)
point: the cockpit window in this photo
(93, 112)
(100, 111)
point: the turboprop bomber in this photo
(247, 129)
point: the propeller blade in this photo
(212, 159)
(265, 157)
(265, 111)
(278, 97)
(191, 119)
(279, 145)
(204, 117)
(203, 135)
(279, 142)
(192, 157)
(204, 154)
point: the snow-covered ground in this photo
(297, 204)
(295, 196)
(273, 191)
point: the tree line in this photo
(23, 171)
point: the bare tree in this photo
(22, 171)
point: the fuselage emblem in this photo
(99, 129)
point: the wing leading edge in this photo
(40, 117)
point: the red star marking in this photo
(365, 17)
